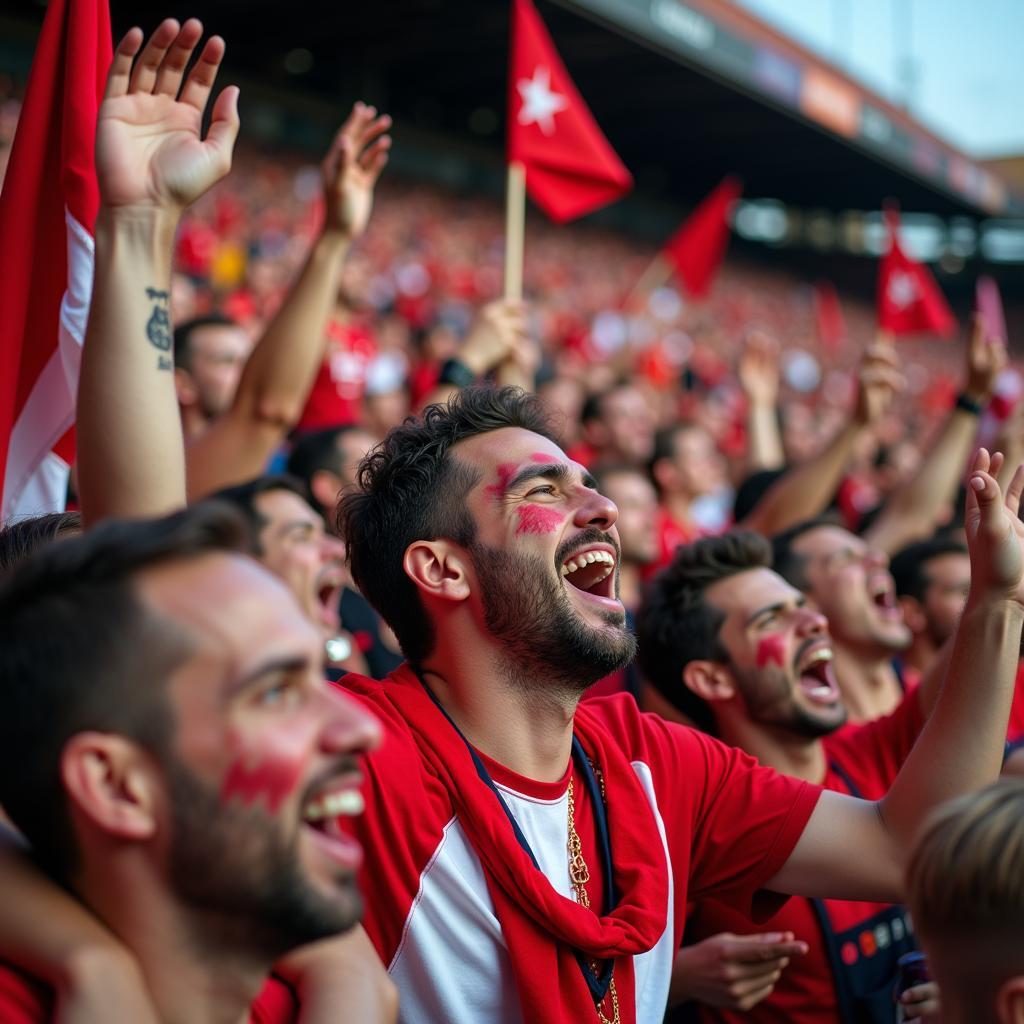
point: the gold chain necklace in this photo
(579, 875)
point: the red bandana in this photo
(544, 929)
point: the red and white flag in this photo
(909, 300)
(697, 249)
(571, 169)
(47, 211)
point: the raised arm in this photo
(278, 376)
(151, 162)
(913, 510)
(855, 849)
(758, 373)
(805, 490)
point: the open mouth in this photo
(883, 596)
(817, 676)
(321, 820)
(592, 572)
(328, 597)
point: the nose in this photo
(332, 549)
(812, 622)
(596, 510)
(348, 728)
(876, 559)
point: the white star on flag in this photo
(540, 104)
(902, 289)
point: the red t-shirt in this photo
(25, 1000)
(870, 936)
(1015, 730)
(728, 826)
(672, 533)
(337, 394)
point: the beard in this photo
(547, 643)
(775, 706)
(241, 877)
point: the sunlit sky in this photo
(967, 69)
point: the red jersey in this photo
(337, 394)
(434, 905)
(671, 534)
(866, 938)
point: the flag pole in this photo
(515, 225)
(658, 271)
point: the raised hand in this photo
(498, 333)
(878, 381)
(758, 369)
(149, 148)
(986, 359)
(351, 169)
(995, 534)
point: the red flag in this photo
(828, 316)
(570, 167)
(990, 306)
(909, 300)
(47, 211)
(697, 248)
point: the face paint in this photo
(543, 458)
(271, 780)
(771, 649)
(538, 519)
(505, 473)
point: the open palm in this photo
(995, 534)
(149, 147)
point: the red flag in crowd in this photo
(828, 316)
(47, 211)
(570, 167)
(909, 300)
(697, 248)
(990, 306)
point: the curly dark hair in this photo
(676, 624)
(411, 488)
(22, 537)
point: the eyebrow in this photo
(284, 665)
(559, 472)
(298, 524)
(778, 606)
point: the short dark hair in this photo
(82, 651)
(243, 498)
(412, 489)
(665, 445)
(593, 405)
(605, 470)
(23, 537)
(676, 624)
(318, 450)
(908, 566)
(786, 562)
(183, 335)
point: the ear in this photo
(111, 781)
(1010, 1001)
(185, 387)
(709, 680)
(325, 487)
(438, 568)
(913, 614)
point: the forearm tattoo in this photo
(158, 327)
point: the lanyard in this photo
(597, 980)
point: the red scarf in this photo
(543, 929)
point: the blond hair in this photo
(966, 874)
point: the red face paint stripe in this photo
(505, 473)
(543, 458)
(537, 519)
(771, 649)
(270, 781)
